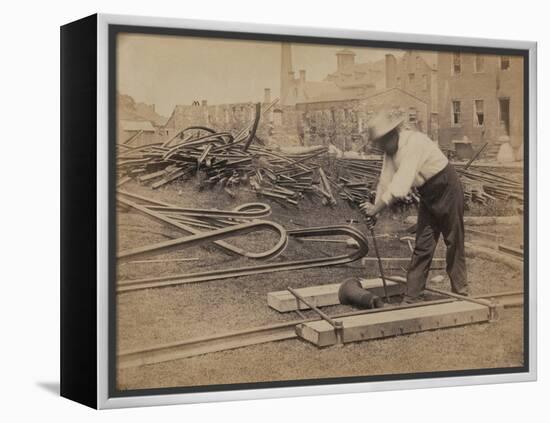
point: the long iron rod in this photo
(375, 244)
(324, 316)
(447, 293)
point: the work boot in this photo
(411, 300)
(377, 302)
(465, 292)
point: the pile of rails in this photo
(481, 186)
(227, 160)
(358, 178)
(224, 159)
(287, 177)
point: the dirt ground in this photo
(161, 315)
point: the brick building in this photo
(416, 73)
(481, 98)
(356, 78)
(279, 125)
(405, 85)
(449, 96)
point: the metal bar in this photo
(254, 127)
(159, 216)
(324, 316)
(132, 138)
(180, 279)
(161, 261)
(375, 244)
(446, 293)
(252, 211)
(475, 156)
(214, 235)
(246, 128)
(204, 154)
(251, 336)
(229, 340)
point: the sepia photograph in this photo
(292, 211)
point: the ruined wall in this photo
(340, 123)
(234, 117)
(345, 123)
(219, 117)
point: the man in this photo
(411, 159)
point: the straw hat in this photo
(383, 123)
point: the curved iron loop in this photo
(180, 279)
(250, 211)
(186, 224)
(245, 210)
(217, 138)
(190, 128)
(248, 207)
(215, 235)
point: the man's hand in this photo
(369, 211)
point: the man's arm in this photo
(386, 175)
(403, 179)
(400, 181)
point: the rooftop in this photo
(137, 125)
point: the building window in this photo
(479, 113)
(504, 115)
(504, 62)
(479, 63)
(425, 82)
(457, 64)
(411, 78)
(412, 115)
(455, 113)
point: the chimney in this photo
(302, 76)
(286, 68)
(391, 71)
(204, 103)
(267, 95)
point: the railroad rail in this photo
(269, 333)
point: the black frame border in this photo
(115, 29)
(78, 211)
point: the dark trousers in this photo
(441, 211)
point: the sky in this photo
(171, 70)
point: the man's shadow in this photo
(51, 387)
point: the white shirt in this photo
(417, 159)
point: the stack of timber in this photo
(383, 324)
(325, 295)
